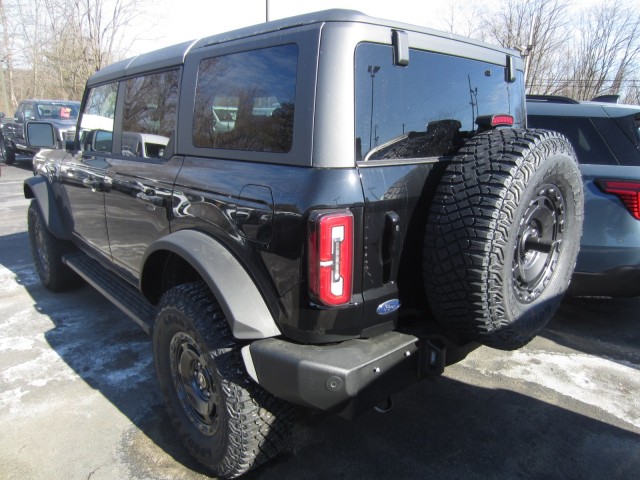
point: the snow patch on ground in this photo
(18, 278)
(598, 381)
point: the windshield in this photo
(59, 110)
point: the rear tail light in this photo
(331, 257)
(627, 190)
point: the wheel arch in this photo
(189, 254)
(39, 188)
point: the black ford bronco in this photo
(318, 211)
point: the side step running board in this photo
(123, 295)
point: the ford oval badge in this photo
(388, 307)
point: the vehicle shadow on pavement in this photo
(447, 429)
(441, 429)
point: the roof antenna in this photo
(267, 10)
(526, 50)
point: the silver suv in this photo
(606, 137)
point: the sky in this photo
(182, 20)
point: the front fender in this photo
(233, 288)
(39, 188)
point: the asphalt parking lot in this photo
(79, 399)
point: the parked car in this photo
(606, 138)
(340, 228)
(61, 114)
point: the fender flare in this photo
(39, 188)
(242, 303)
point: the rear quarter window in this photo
(585, 138)
(621, 134)
(245, 101)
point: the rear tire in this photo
(224, 419)
(503, 235)
(47, 252)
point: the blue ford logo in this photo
(388, 307)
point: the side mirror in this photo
(19, 117)
(40, 135)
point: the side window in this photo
(150, 109)
(245, 101)
(429, 107)
(584, 137)
(97, 119)
(622, 134)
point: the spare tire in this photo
(503, 235)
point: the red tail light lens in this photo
(493, 121)
(331, 257)
(502, 120)
(627, 190)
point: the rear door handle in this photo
(92, 183)
(154, 200)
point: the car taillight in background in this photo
(331, 256)
(627, 190)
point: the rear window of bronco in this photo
(428, 108)
(245, 101)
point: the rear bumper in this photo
(351, 377)
(616, 282)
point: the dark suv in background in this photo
(606, 138)
(61, 114)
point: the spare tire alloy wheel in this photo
(223, 418)
(538, 243)
(503, 236)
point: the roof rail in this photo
(551, 99)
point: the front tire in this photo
(224, 419)
(8, 153)
(503, 235)
(47, 252)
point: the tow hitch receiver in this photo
(432, 358)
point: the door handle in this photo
(391, 246)
(91, 183)
(154, 200)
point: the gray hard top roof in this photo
(581, 109)
(175, 55)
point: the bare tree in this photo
(512, 25)
(606, 55)
(8, 95)
(631, 94)
(58, 44)
(463, 18)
